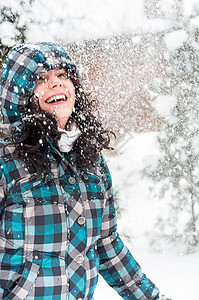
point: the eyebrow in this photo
(59, 71)
(42, 75)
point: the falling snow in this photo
(122, 49)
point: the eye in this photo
(63, 75)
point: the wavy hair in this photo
(39, 127)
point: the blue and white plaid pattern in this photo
(46, 252)
(59, 232)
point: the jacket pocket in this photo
(25, 282)
(46, 188)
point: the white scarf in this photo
(68, 138)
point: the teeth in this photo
(55, 98)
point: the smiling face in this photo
(56, 95)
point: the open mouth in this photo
(56, 98)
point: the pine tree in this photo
(178, 166)
(13, 25)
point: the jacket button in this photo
(85, 176)
(79, 259)
(71, 180)
(80, 299)
(81, 220)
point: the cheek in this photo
(39, 91)
(73, 96)
(70, 87)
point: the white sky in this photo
(87, 19)
(95, 18)
(189, 4)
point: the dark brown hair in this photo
(39, 127)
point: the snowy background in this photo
(66, 20)
(175, 273)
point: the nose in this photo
(54, 82)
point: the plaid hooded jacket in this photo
(56, 233)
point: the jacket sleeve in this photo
(2, 190)
(2, 204)
(117, 265)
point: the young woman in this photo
(58, 223)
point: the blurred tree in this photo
(13, 25)
(178, 166)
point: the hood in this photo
(20, 74)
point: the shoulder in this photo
(103, 170)
(7, 160)
(103, 164)
(5, 148)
